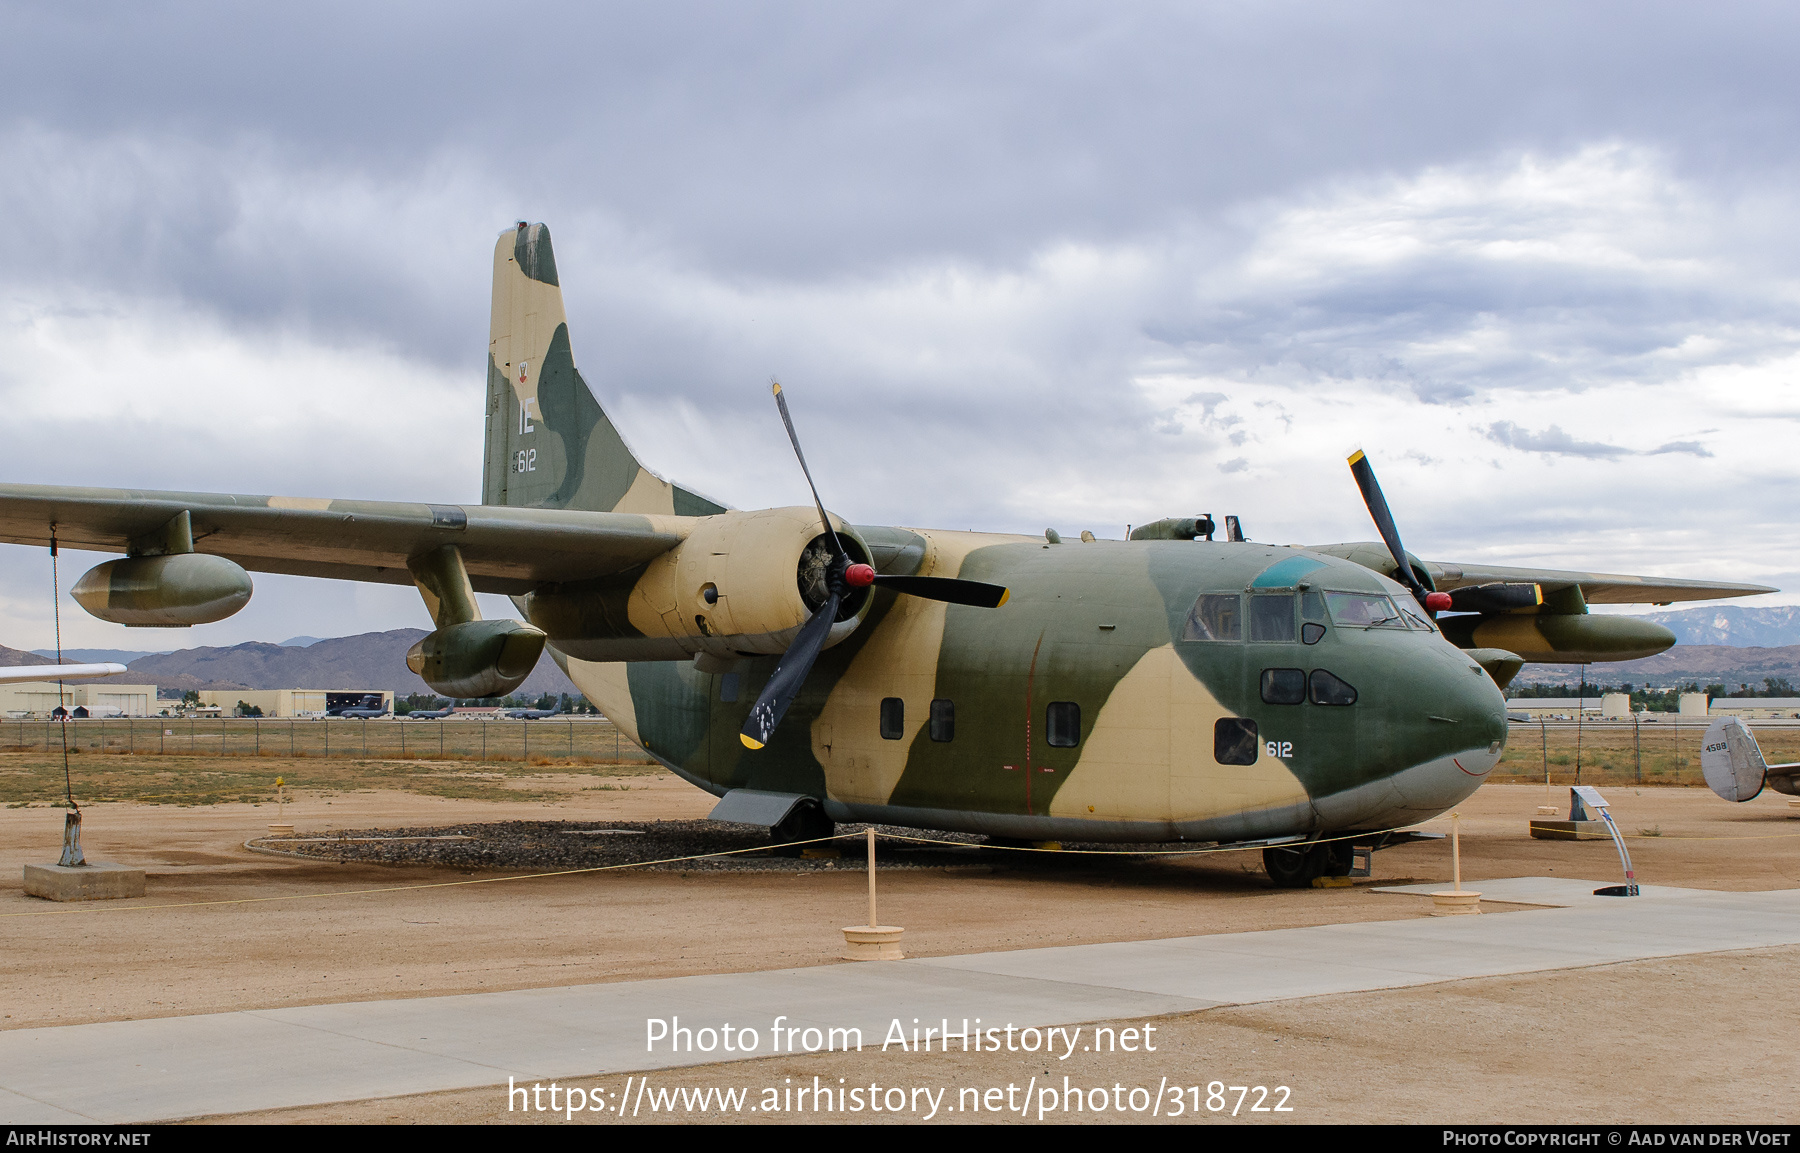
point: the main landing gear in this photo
(1295, 866)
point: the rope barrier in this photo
(85, 908)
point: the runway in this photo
(177, 1067)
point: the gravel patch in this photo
(588, 844)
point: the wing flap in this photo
(506, 550)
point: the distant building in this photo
(294, 702)
(1549, 708)
(97, 699)
(1756, 708)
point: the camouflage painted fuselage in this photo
(1099, 626)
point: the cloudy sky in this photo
(1018, 265)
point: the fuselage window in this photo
(1329, 690)
(1062, 724)
(1311, 633)
(1364, 610)
(1215, 617)
(1235, 741)
(728, 687)
(943, 720)
(893, 718)
(1283, 686)
(1272, 617)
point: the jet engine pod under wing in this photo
(477, 658)
(172, 591)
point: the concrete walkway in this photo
(174, 1067)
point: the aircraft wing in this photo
(15, 673)
(1596, 587)
(506, 550)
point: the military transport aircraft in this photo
(533, 714)
(1733, 765)
(808, 671)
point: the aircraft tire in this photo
(804, 823)
(1295, 868)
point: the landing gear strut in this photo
(1294, 867)
(806, 821)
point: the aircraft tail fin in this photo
(549, 444)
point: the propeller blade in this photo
(790, 674)
(794, 439)
(1384, 521)
(1496, 597)
(952, 590)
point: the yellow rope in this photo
(428, 885)
(764, 848)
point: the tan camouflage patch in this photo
(1149, 755)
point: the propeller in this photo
(841, 577)
(1390, 535)
(1494, 597)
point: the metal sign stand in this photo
(1589, 795)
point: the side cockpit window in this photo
(1327, 689)
(1283, 686)
(1272, 617)
(1215, 617)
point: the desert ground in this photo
(1689, 1039)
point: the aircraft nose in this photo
(1465, 723)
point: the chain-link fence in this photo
(598, 741)
(1665, 751)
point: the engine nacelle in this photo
(1560, 638)
(741, 583)
(477, 658)
(172, 591)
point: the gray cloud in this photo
(1552, 440)
(1018, 243)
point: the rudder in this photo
(549, 443)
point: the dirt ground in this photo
(224, 928)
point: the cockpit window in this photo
(1215, 617)
(1327, 689)
(1272, 617)
(1312, 606)
(1364, 610)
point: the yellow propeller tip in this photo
(1356, 456)
(750, 742)
(775, 387)
(1005, 596)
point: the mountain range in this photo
(366, 661)
(1725, 644)
(1770, 626)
